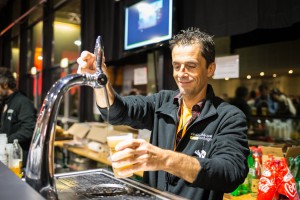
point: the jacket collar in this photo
(172, 107)
(10, 97)
(209, 107)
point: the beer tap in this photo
(40, 165)
(101, 77)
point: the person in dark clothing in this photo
(251, 99)
(18, 116)
(198, 147)
(264, 100)
(285, 105)
(240, 101)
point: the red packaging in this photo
(267, 183)
(276, 179)
(286, 183)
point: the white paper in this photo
(140, 76)
(227, 67)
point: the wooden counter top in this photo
(250, 196)
(85, 152)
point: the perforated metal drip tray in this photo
(101, 184)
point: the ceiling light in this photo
(248, 76)
(77, 42)
(274, 75)
(33, 70)
(291, 71)
(15, 75)
(262, 73)
(64, 63)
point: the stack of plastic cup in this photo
(3, 154)
(9, 152)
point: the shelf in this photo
(250, 196)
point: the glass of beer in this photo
(112, 142)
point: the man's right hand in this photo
(86, 63)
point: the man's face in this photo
(190, 71)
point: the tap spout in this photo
(40, 165)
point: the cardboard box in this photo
(98, 124)
(126, 129)
(79, 130)
(279, 152)
(292, 152)
(98, 131)
(99, 134)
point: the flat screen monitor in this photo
(148, 22)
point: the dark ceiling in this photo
(3, 3)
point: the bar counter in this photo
(12, 187)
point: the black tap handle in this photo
(102, 79)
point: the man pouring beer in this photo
(198, 147)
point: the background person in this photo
(240, 101)
(251, 99)
(199, 144)
(285, 104)
(18, 116)
(264, 101)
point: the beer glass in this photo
(112, 142)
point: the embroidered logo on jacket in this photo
(201, 154)
(9, 114)
(200, 136)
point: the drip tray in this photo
(107, 190)
(101, 184)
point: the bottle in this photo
(255, 179)
(256, 167)
(297, 174)
(251, 173)
(245, 187)
(17, 158)
(236, 192)
(9, 151)
(3, 153)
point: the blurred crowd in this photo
(265, 101)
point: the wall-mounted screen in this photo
(148, 22)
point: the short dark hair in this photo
(275, 91)
(241, 91)
(263, 87)
(6, 77)
(196, 36)
(252, 94)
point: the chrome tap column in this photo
(40, 164)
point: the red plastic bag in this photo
(267, 182)
(286, 183)
(276, 179)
